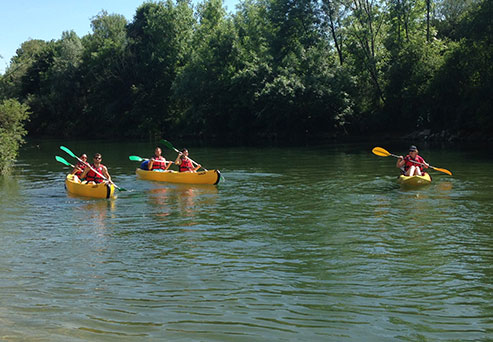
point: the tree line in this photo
(273, 69)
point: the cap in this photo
(412, 148)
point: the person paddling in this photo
(92, 177)
(80, 166)
(184, 163)
(409, 164)
(158, 162)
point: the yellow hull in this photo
(101, 190)
(414, 181)
(203, 177)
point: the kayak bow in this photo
(414, 181)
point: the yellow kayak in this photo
(100, 190)
(414, 181)
(203, 177)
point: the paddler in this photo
(184, 163)
(158, 162)
(80, 166)
(412, 164)
(92, 177)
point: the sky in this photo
(22, 20)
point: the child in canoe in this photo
(412, 164)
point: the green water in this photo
(299, 244)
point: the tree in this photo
(12, 117)
(105, 73)
(160, 43)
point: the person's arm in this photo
(168, 164)
(84, 173)
(106, 174)
(198, 167)
(178, 159)
(400, 162)
(149, 164)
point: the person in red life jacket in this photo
(80, 166)
(92, 177)
(409, 164)
(184, 163)
(158, 162)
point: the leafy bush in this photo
(12, 117)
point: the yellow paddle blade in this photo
(442, 170)
(379, 151)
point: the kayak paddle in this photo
(381, 152)
(63, 148)
(136, 158)
(171, 147)
(63, 161)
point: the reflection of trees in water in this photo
(185, 199)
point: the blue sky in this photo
(21, 20)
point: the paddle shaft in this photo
(190, 159)
(413, 161)
(99, 174)
(169, 145)
(379, 151)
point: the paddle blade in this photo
(63, 161)
(63, 148)
(168, 145)
(379, 151)
(136, 158)
(443, 170)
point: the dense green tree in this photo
(275, 68)
(206, 81)
(461, 90)
(51, 86)
(159, 44)
(106, 77)
(11, 81)
(12, 117)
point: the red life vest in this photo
(408, 159)
(186, 165)
(81, 167)
(93, 176)
(158, 163)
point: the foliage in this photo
(12, 116)
(274, 69)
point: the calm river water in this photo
(298, 244)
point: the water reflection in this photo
(342, 254)
(185, 199)
(95, 212)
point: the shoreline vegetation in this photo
(274, 70)
(12, 117)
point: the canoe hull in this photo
(101, 190)
(203, 177)
(414, 181)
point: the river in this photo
(296, 244)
